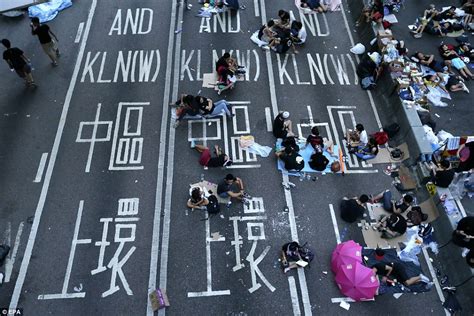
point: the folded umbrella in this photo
(357, 282)
(345, 253)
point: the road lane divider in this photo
(42, 164)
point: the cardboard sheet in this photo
(429, 207)
(373, 240)
(406, 178)
(384, 155)
(212, 187)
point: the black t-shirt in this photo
(223, 186)
(14, 56)
(402, 206)
(284, 45)
(43, 33)
(443, 178)
(278, 127)
(466, 224)
(221, 62)
(380, 268)
(290, 161)
(216, 161)
(318, 162)
(351, 210)
(203, 104)
(400, 226)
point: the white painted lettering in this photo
(88, 67)
(145, 66)
(316, 68)
(117, 24)
(298, 81)
(341, 69)
(122, 67)
(101, 71)
(282, 69)
(131, 21)
(205, 25)
(142, 18)
(185, 65)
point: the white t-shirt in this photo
(363, 138)
(302, 35)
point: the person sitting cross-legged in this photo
(197, 199)
(226, 185)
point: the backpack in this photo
(306, 253)
(380, 138)
(213, 207)
(397, 154)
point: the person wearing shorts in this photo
(226, 186)
(397, 271)
(18, 62)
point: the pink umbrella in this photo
(357, 281)
(345, 253)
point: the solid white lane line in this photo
(460, 206)
(49, 171)
(361, 171)
(79, 32)
(161, 163)
(268, 118)
(434, 278)
(334, 223)
(294, 296)
(169, 170)
(10, 262)
(371, 99)
(255, 4)
(42, 164)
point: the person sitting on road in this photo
(290, 255)
(315, 5)
(425, 19)
(368, 151)
(266, 34)
(197, 200)
(396, 270)
(213, 109)
(392, 226)
(390, 206)
(292, 160)
(227, 69)
(298, 33)
(369, 12)
(416, 216)
(226, 185)
(283, 21)
(290, 141)
(442, 174)
(318, 161)
(354, 208)
(186, 105)
(319, 143)
(282, 126)
(357, 137)
(283, 42)
(206, 160)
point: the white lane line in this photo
(289, 201)
(169, 168)
(460, 206)
(10, 262)
(244, 166)
(434, 278)
(268, 118)
(161, 164)
(79, 32)
(361, 171)
(294, 296)
(371, 99)
(255, 4)
(42, 164)
(334, 223)
(49, 171)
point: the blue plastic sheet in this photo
(48, 10)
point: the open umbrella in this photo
(357, 281)
(345, 253)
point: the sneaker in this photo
(193, 143)
(418, 35)
(246, 195)
(424, 278)
(464, 88)
(54, 63)
(429, 285)
(265, 47)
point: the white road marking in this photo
(161, 162)
(460, 206)
(42, 164)
(209, 291)
(169, 170)
(49, 171)
(10, 261)
(268, 119)
(294, 296)
(288, 198)
(255, 5)
(67, 276)
(234, 120)
(434, 278)
(79, 32)
(360, 171)
(341, 299)
(334, 223)
(371, 99)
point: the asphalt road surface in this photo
(95, 178)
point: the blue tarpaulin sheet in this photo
(48, 11)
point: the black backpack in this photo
(306, 253)
(213, 207)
